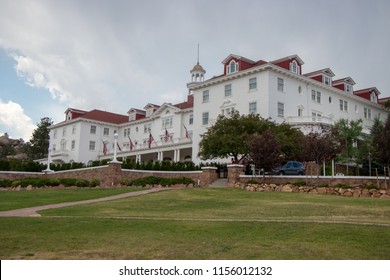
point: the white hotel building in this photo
(275, 89)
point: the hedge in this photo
(50, 182)
(152, 180)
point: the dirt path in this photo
(32, 211)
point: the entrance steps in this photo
(219, 183)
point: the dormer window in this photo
(294, 67)
(348, 88)
(232, 67)
(327, 80)
(373, 97)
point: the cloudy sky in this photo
(119, 54)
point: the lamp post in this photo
(115, 145)
(48, 170)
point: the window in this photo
(280, 109)
(147, 127)
(93, 129)
(252, 107)
(106, 131)
(316, 117)
(92, 145)
(167, 122)
(64, 132)
(74, 129)
(63, 145)
(348, 88)
(373, 97)
(205, 118)
(252, 83)
(280, 84)
(315, 96)
(228, 90)
(294, 67)
(227, 111)
(327, 81)
(367, 113)
(73, 146)
(126, 132)
(55, 134)
(191, 119)
(300, 112)
(232, 67)
(343, 105)
(206, 96)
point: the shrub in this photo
(5, 183)
(152, 180)
(299, 183)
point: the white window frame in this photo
(92, 145)
(205, 118)
(228, 90)
(106, 131)
(93, 129)
(367, 113)
(191, 119)
(280, 84)
(147, 128)
(253, 107)
(167, 122)
(294, 67)
(327, 80)
(253, 84)
(281, 109)
(206, 96)
(73, 144)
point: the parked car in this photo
(290, 168)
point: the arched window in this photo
(294, 67)
(232, 67)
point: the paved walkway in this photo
(32, 211)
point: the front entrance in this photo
(222, 171)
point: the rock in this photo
(377, 195)
(286, 188)
(321, 190)
(29, 188)
(313, 190)
(348, 193)
(385, 196)
(356, 193)
(18, 188)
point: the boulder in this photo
(348, 193)
(29, 188)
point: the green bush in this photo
(152, 180)
(299, 183)
(5, 183)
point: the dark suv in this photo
(290, 168)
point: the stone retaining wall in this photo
(347, 192)
(113, 174)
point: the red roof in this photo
(188, 104)
(104, 116)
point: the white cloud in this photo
(17, 123)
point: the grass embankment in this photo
(205, 224)
(10, 200)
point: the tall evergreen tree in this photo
(39, 143)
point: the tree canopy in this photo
(232, 137)
(39, 143)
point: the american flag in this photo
(166, 136)
(150, 140)
(131, 144)
(187, 134)
(104, 148)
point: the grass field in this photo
(205, 224)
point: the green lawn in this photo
(205, 224)
(10, 200)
